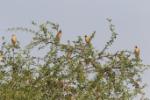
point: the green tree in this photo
(62, 71)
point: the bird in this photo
(58, 35)
(87, 39)
(137, 52)
(14, 39)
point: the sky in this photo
(77, 17)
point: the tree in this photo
(62, 71)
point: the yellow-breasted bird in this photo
(137, 52)
(87, 39)
(58, 35)
(14, 39)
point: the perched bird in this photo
(87, 39)
(14, 39)
(137, 52)
(58, 35)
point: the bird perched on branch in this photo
(87, 39)
(14, 39)
(58, 35)
(137, 52)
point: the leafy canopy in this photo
(62, 71)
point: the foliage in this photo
(56, 76)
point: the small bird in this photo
(58, 35)
(87, 39)
(14, 39)
(137, 52)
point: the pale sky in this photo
(76, 17)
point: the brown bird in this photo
(87, 39)
(14, 39)
(58, 35)
(137, 52)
